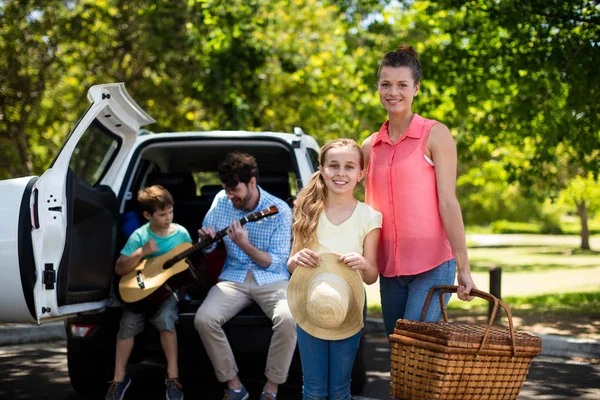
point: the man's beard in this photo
(244, 202)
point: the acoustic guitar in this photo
(154, 279)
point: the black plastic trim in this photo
(117, 139)
(25, 246)
(139, 149)
(71, 134)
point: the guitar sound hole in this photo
(168, 264)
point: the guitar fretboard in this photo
(204, 244)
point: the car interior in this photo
(189, 172)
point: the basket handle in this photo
(477, 293)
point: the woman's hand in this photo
(306, 258)
(355, 261)
(465, 284)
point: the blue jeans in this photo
(326, 366)
(404, 296)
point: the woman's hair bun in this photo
(407, 48)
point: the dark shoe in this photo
(231, 394)
(174, 389)
(117, 390)
(268, 396)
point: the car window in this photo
(94, 153)
(313, 158)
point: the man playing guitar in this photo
(255, 269)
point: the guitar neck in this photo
(205, 243)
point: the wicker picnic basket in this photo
(441, 360)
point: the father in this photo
(255, 269)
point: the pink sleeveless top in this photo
(401, 185)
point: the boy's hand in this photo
(149, 248)
(206, 232)
(355, 261)
(306, 258)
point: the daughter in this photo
(328, 218)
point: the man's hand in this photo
(238, 235)
(206, 232)
(149, 247)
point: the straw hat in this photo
(327, 301)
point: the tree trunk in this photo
(585, 231)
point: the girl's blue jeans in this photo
(326, 366)
(404, 296)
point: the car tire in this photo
(89, 371)
(359, 370)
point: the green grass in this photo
(573, 303)
(540, 273)
(567, 226)
(531, 258)
(530, 253)
(577, 303)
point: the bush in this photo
(574, 228)
(504, 226)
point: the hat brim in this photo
(297, 294)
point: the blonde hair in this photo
(310, 202)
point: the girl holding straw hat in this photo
(335, 239)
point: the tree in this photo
(584, 194)
(518, 74)
(518, 70)
(28, 49)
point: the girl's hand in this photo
(306, 258)
(355, 261)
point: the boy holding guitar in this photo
(255, 270)
(155, 238)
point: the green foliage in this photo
(518, 73)
(582, 189)
(513, 80)
(195, 65)
(486, 195)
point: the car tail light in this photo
(80, 330)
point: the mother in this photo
(411, 180)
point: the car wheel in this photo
(89, 371)
(359, 370)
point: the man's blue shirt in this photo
(272, 234)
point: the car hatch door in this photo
(66, 235)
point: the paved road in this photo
(39, 371)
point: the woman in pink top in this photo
(411, 180)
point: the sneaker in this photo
(174, 389)
(117, 390)
(231, 394)
(268, 396)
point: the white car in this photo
(62, 232)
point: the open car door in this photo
(59, 235)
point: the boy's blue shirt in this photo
(164, 243)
